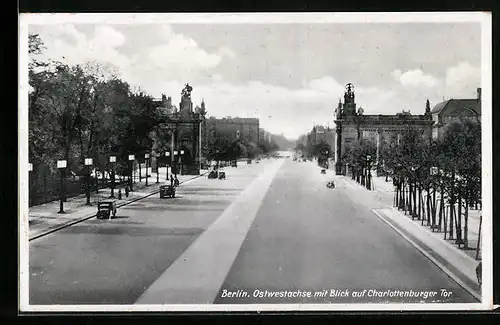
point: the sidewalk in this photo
(458, 263)
(45, 218)
(453, 261)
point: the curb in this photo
(72, 222)
(445, 269)
(434, 234)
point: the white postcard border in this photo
(228, 18)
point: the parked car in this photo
(213, 174)
(105, 209)
(323, 171)
(330, 184)
(167, 191)
(222, 175)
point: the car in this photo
(213, 174)
(323, 171)
(330, 184)
(222, 175)
(167, 191)
(105, 209)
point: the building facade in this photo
(352, 126)
(453, 110)
(185, 129)
(237, 128)
(320, 133)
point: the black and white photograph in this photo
(255, 162)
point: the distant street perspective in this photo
(155, 180)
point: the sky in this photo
(290, 76)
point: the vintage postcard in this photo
(255, 162)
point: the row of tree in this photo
(320, 150)
(223, 146)
(436, 181)
(87, 111)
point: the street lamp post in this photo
(167, 154)
(112, 161)
(175, 161)
(146, 158)
(61, 164)
(180, 159)
(369, 172)
(88, 163)
(30, 169)
(131, 159)
(157, 168)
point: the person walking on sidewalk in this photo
(479, 272)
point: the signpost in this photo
(146, 158)
(112, 160)
(131, 159)
(180, 160)
(174, 160)
(167, 154)
(88, 163)
(61, 164)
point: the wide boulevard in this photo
(270, 226)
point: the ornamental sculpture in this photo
(186, 92)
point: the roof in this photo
(456, 106)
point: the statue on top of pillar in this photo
(349, 93)
(186, 92)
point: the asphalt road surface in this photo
(113, 262)
(302, 236)
(307, 237)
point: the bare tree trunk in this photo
(434, 205)
(466, 226)
(452, 219)
(459, 218)
(441, 209)
(478, 246)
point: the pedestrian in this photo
(126, 191)
(479, 272)
(119, 194)
(176, 181)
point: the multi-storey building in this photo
(352, 126)
(237, 128)
(451, 110)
